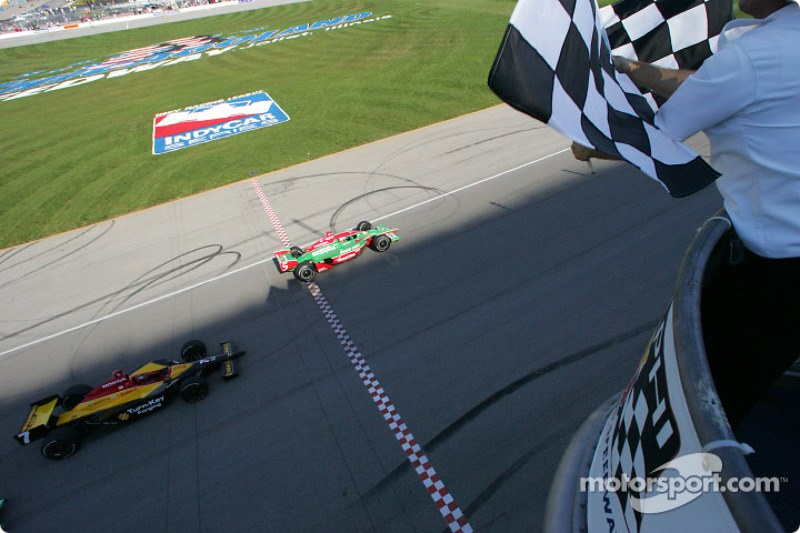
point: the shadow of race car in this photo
(89, 411)
(333, 249)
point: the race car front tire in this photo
(73, 396)
(193, 350)
(61, 443)
(380, 243)
(194, 389)
(305, 272)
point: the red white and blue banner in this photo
(202, 123)
(173, 52)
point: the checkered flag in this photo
(554, 64)
(678, 34)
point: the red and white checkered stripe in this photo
(271, 214)
(441, 496)
(448, 508)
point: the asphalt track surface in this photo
(520, 297)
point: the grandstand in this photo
(14, 10)
(19, 15)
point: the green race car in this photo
(333, 249)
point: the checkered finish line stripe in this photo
(450, 511)
(276, 223)
(439, 493)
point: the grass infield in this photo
(83, 154)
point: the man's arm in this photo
(661, 81)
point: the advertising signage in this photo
(203, 123)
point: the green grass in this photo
(83, 154)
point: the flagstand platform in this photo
(670, 415)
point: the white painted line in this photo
(465, 187)
(261, 262)
(133, 308)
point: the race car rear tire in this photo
(380, 243)
(305, 272)
(193, 350)
(61, 443)
(73, 396)
(194, 389)
(296, 251)
(364, 225)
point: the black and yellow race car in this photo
(125, 397)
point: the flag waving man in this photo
(745, 97)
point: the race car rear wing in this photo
(286, 261)
(229, 367)
(38, 423)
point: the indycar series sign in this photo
(202, 123)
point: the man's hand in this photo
(584, 153)
(622, 64)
